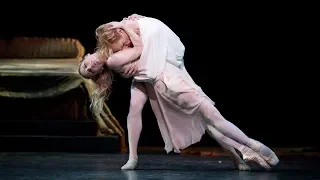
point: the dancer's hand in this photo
(129, 70)
(116, 25)
(133, 17)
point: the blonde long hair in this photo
(103, 81)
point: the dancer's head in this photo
(93, 68)
(111, 40)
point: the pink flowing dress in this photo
(174, 96)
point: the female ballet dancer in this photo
(183, 111)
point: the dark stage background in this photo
(254, 61)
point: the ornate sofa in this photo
(39, 80)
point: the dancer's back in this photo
(160, 45)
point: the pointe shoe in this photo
(241, 166)
(130, 165)
(250, 156)
(266, 153)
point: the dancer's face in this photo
(90, 66)
(123, 42)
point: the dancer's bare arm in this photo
(117, 60)
(129, 70)
(126, 56)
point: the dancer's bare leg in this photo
(239, 163)
(214, 118)
(134, 123)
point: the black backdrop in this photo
(254, 61)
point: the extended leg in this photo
(214, 118)
(239, 163)
(134, 123)
(248, 154)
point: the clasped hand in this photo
(116, 25)
(129, 70)
(133, 17)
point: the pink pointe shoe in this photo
(250, 156)
(266, 153)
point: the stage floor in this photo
(75, 166)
